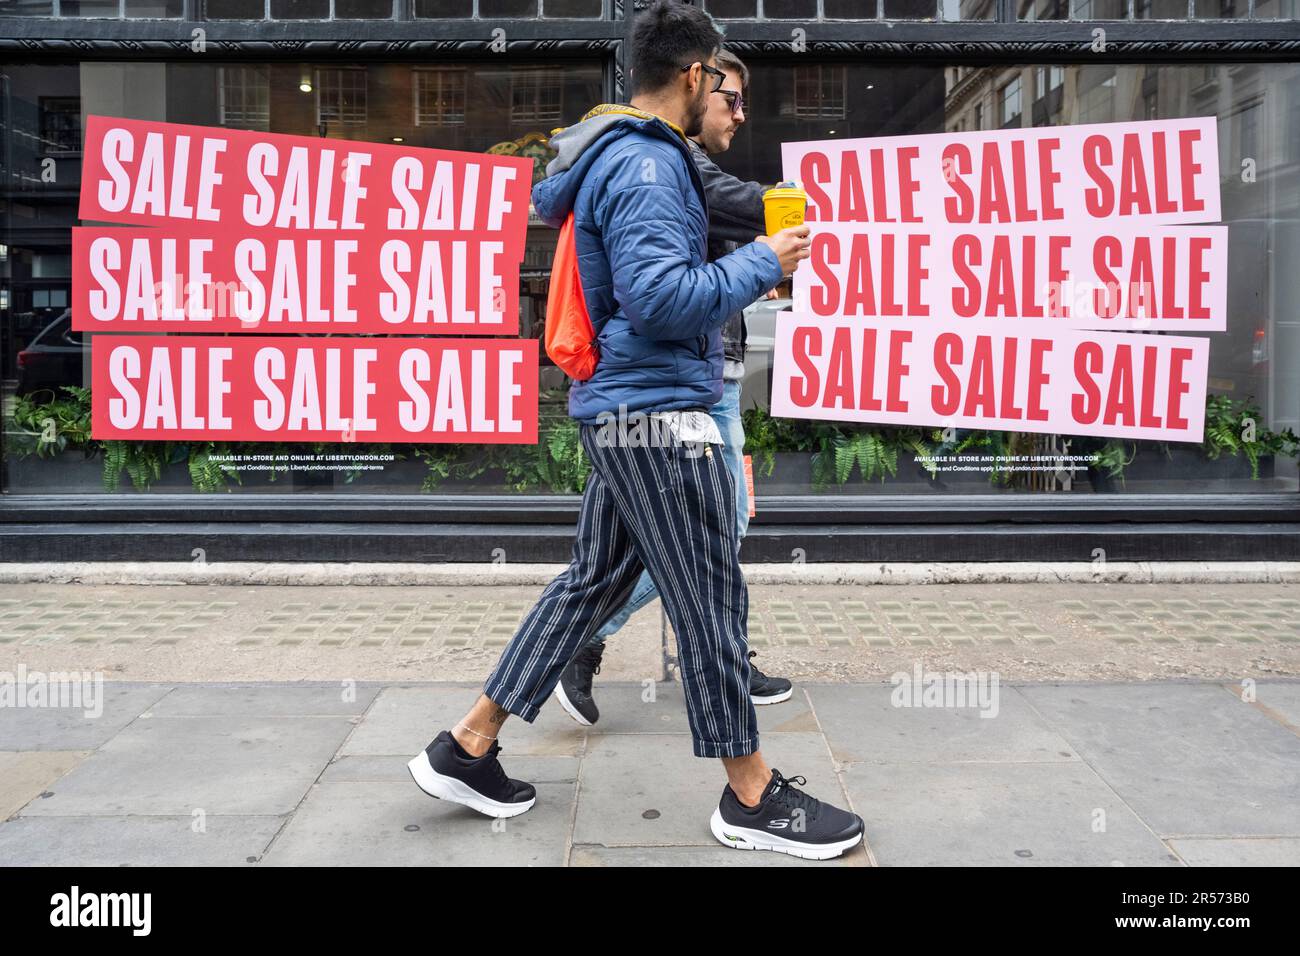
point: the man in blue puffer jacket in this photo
(668, 506)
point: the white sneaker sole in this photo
(442, 787)
(774, 699)
(568, 706)
(743, 838)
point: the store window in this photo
(1254, 373)
(44, 365)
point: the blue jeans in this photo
(727, 414)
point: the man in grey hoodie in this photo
(735, 217)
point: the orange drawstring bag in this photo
(570, 338)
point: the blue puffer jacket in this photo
(656, 303)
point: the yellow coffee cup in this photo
(784, 206)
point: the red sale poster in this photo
(981, 374)
(256, 254)
(256, 388)
(1008, 280)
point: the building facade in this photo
(501, 75)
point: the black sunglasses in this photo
(712, 71)
(735, 99)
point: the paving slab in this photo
(136, 840)
(25, 775)
(402, 720)
(863, 724)
(266, 700)
(1281, 700)
(1256, 851)
(394, 824)
(221, 765)
(998, 814)
(650, 790)
(391, 768)
(1191, 759)
(718, 855)
(72, 728)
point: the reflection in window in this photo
(246, 97)
(341, 97)
(819, 92)
(1160, 9)
(1010, 100)
(969, 9)
(1097, 100)
(1101, 9)
(153, 9)
(440, 97)
(536, 95)
(1044, 9)
(60, 124)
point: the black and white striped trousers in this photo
(671, 509)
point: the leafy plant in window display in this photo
(56, 424)
(1113, 457)
(207, 475)
(143, 461)
(1235, 427)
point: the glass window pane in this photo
(363, 9)
(1044, 9)
(26, 8)
(969, 9)
(850, 9)
(153, 9)
(235, 9)
(910, 9)
(1101, 9)
(508, 108)
(732, 9)
(1160, 9)
(1277, 9)
(1220, 9)
(572, 8)
(507, 8)
(790, 9)
(443, 9)
(300, 9)
(90, 8)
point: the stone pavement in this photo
(814, 632)
(1133, 774)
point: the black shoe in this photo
(764, 689)
(786, 820)
(444, 770)
(574, 689)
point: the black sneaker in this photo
(444, 770)
(574, 689)
(764, 689)
(786, 820)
